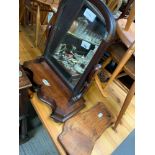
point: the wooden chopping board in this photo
(81, 131)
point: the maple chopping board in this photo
(81, 131)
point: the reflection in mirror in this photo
(79, 45)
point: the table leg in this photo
(37, 25)
(130, 18)
(125, 105)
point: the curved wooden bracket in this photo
(52, 90)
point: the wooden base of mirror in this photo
(51, 90)
(81, 132)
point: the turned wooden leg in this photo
(44, 33)
(125, 105)
(37, 25)
(121, 64)
(96, 78)
(130, 18)
(51, 22)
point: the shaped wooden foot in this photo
(81, 132)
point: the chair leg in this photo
(126, 9)
(45, 19)
(125, 105)
(121, 64)
(37, 25)
(130, 18)
(44, 33)
(95, 77)
(99, 85)
(51, 22)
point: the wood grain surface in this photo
(54, 93)
(127, 37)
(117, 52)
(24, 82)
(81, 132)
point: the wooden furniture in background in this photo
(126, 28)
(119, 8)
(122, 54)
(36, 7)
(82, 131)
(53, 6)
(126, 32)
(126, 9)
(125, 105)
(24, 85)
(114, 5)
(50, 24)
(21, 10)
(126, 62)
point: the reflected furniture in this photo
(37, 8)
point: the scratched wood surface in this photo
(55, 93)
(110, 139)
(81, 131)
(24, 82)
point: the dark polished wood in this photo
(24, 82)
(81, 132)
(64, 98)
(62, 25)
(24, 85)
(55, 94)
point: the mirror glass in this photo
(79, 44)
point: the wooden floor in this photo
(110, 139)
